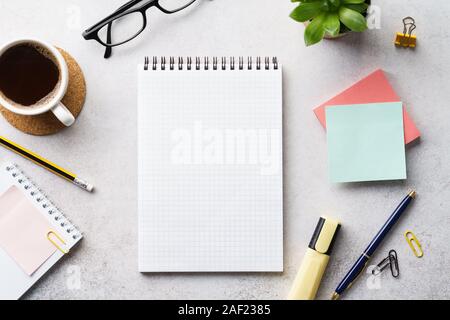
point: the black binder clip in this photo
(390, 261)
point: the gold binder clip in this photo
(412, 239)
(407, 39)
(57, 236)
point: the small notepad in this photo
(210, 184)
(366, 142)
(26, 218)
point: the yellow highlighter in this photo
(315, 261)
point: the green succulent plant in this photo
(330, 17)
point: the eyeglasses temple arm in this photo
(108, 50)
(122, 9)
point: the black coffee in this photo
(27, 74)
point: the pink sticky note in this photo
(23, 231)
(375, 88)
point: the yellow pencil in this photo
(46, 164)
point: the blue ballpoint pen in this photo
(361, 263)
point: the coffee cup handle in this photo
(63, 114)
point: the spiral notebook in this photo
(34, 233)
(210, 187)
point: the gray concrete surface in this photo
(101, 146)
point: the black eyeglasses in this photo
(129, 21)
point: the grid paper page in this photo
(210, 187)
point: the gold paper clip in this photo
(407, 39)
(412, 239)
(51, 232)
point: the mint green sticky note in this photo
(366, 142)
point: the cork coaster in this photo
(47, 123)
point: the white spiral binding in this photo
(42, 200)
(206, 63)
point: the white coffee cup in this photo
(53, 103)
